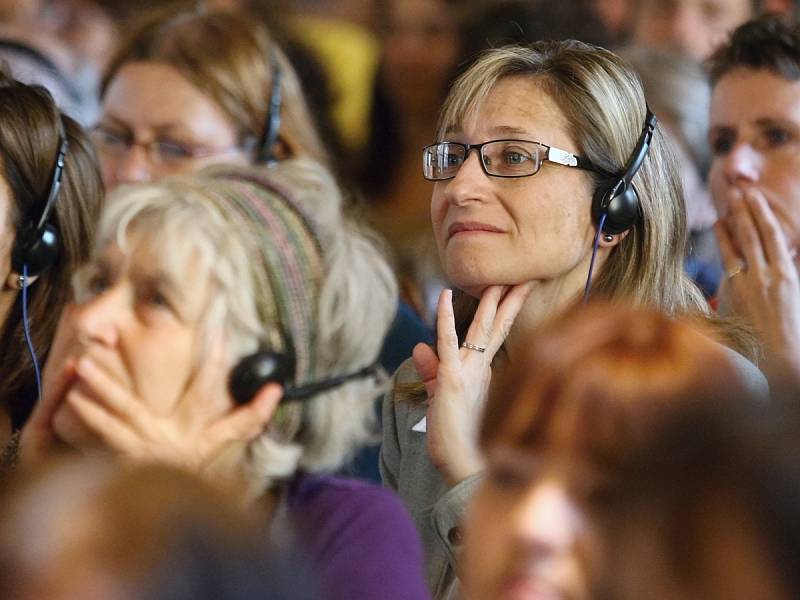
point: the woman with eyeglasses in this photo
(553, 184)
(192, 88)
(198, 87)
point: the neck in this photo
(549, 298)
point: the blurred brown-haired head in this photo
(596, 380)
(91, 528)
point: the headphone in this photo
(266, 366)
(36, 246)
(272, 124)
(616, 197)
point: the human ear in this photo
(14, 280)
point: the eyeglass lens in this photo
(503, 158)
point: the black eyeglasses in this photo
(499, 158)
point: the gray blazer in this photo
(436, 509)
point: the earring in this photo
(608, 238)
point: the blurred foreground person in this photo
(593, 388)
(708, 508)
(94, 529)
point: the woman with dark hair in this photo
(38, 192)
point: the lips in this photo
(471, 227)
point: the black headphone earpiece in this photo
(265, 366)
(37, 245)
(272, 124)
(616, 196)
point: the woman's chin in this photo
(69, 428)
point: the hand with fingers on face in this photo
(192, 434)
(90, 401)
(762, 285)
(457, 378)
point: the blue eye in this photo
(452, 160)
(514, 158)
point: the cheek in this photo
(161, 369)
(438, 211)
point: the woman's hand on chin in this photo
(191, 436)
(457, 379)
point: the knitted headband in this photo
(287, 262)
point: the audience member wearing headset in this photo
(547, 161)
(192, 88)
(172, 105)
(49, 200)
(755, 184)
(190, 275)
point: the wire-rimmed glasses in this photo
(499, 158)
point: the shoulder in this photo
(402, 405)
(752, 379)
(360, 535)
(333, 505)
(406, 374)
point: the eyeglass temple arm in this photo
(568, 159)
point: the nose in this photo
(132, 166)
(742, 165)
(547, 521)
(469, 184)
(98, 320)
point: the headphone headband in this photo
(616, 197)
(55, 179)
(36, 247)
(272, 123)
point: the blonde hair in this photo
(288, 272)
(604, 105)
(603, 102)
(228, 57)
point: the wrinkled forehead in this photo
(148, 242)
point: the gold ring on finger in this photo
(469, 346)
(733, 272)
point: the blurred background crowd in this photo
(235, 176)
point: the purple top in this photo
(359, 536)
